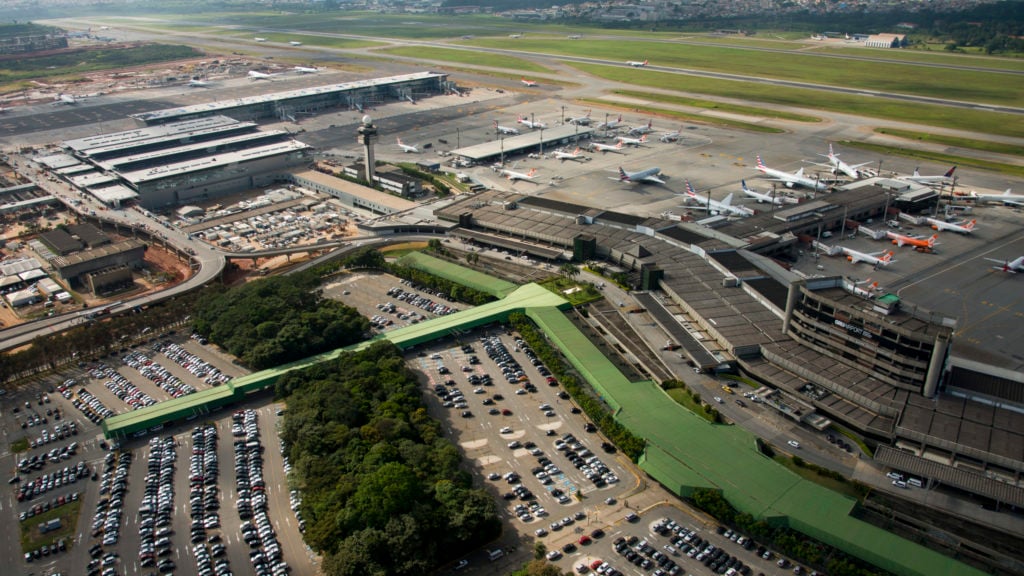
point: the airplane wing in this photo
(654, 179)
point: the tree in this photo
(569, 270)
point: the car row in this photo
(204, 504)
(43, 484)
(194, 364)
(122, 387)
(47, 550)
(53, 456)
(585, 461)
(56, 502)
(161, 376)
(158, 505)
(106, 523)
(58, 432)
(91, 406)
(257, 531)
(421, 302)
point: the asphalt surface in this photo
(71, 562)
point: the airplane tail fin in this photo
(888, 257)
(399, 140)
(689, 189)
(643, 138)
(743, 184)
(970, 225)
(650, 123)
(622, 175)
(830, 152)
(760, 164)
(620, 118)
(727, 201)
(931, 241)
(645, 62)
(576, 151)
(532, 172)
(916, 173)
(949, 174)
(619, 145)
(800, 172)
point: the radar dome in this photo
(367, 120)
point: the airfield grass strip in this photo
(677, 115)
(981, 121)
(939, 158)
(482, 72)
(468, 57)
(971, 143)
(723, 106)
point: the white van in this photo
(915, 482)
(495, 554)
(899, 483)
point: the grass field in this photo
(965, 85)
(931, 115)
(19, 445)
(31, 539)
(14, 71)
(325, 41)
(723, 106)
(685, 399)
(683, 116)
(983, 145)
(928, 57)
(467, 57)
(940, 158)
(399, 250)
(584, 292)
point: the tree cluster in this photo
(97, 337)
(456, 292)
(790, 542)
(630, 444)
(276, 320)
(382, 492)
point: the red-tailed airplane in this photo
(877, 258)
(1011, 266)
(636, 64)
(528, 82)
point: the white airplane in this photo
(306, 70)
(944, 179)
(258, 39)
(670, 136)
(649, 176)
(902, 240)
(407, 148)
(632, 141)
(528, 82)
(762, 197)
(610, 125)
(712, 205)
(795, 179)
(962, 227)
(294, 43)
(535, 125)
(643, 129)
(882, 258)
(617, 148)
(1011, 266)
(68, 99)
(198, 84)
(1005, 197)
(636, 64)
(869, 291)
(838, 166)
(254, 75)
(581, 120)
(513, 176)
(505, 129)
(576, 154)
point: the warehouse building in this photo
(128, 252)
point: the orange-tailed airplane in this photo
(902, 240)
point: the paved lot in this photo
(75, 559)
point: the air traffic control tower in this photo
(367, 136)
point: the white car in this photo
(794, 443)
(506, 430)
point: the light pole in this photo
(541, 141)
(563, 114)
(501, 141)
(458, 138)
(606, 124)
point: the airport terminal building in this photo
(872, 364)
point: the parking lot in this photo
(162, 503)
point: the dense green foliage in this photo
(276, 320)
(382, 490)
(539, 567)
(629, 443)
(789, 542)
(456, 292)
